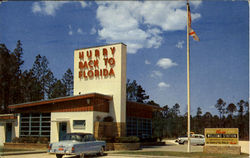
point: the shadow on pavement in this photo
(86, 156)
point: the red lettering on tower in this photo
(97, 53)
(81, 55)
(111, 73)
(112, 50)
(111, 61)
(89, 54)
(105, 52)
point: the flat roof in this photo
(60, 99)
(153, 106)
(101, 46)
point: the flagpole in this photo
(188, 83)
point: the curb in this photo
(146, 156)
(22, 152)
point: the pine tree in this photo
(141, 96)
(220, 105)
(68, 80)
(135, 92)
(58, 89)
(16, 86)
(5, 77)
(43, 74)
(231, 108)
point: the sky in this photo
(155, 35)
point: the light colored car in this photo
(77, 144)
(196, 139)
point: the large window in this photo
(35, 124)
(139, 127)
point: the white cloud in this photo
(123, 21)
(166, 63)
(93, 31)
(163, 85)
(36, 7)
(156, 74)
(139, 24)
(83, 4)
(147, 62)
(79, 30)
(179, 44)
(47, 7)
(70, 33)
(70, 30)
(50, 7)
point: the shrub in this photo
(22, 140)
(15, 140)
(98, 118)
(150, 139)
(42, 140)
(130, 139)
(32, 139)
(107, 139)
(108, 119)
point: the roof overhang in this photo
(154, 107)
(5, 117)
(61, 99)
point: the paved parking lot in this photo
(170, 146)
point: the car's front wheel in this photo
(59, 155)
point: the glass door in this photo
(8, 132)
(62, 130)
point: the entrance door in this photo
(8, 132)
(62, 130)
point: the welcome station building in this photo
(99, 91)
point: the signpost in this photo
(222, 140)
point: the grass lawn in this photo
(182, 154)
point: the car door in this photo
(201, 140)
(88, 144)
(94, 144)
(193, 139)
(83, 146)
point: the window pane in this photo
(35, 124)
(79, 124)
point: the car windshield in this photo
(73, 137)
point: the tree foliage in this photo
(58, 89)
(135, 92)
(67, 80)
(174, 124)
(38, 83)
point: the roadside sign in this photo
(223, 136)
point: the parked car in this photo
(196, 139)
(77, 144)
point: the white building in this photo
(99, 91)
